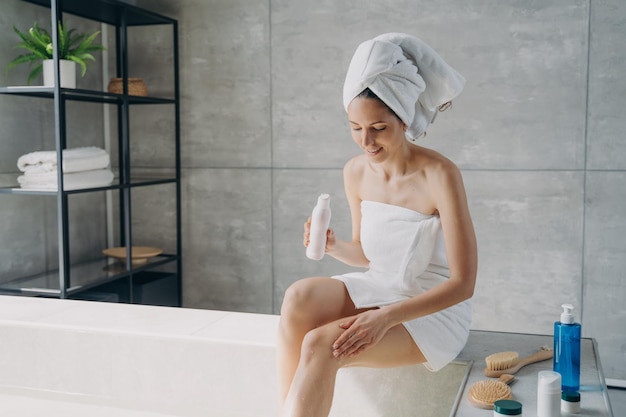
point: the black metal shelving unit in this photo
(131, 283)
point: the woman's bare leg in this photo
(308, 304)
(313, 385)
(311, 313)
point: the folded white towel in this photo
(74, 160)
(76, 180)
(407, 75)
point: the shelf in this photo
(105, 269)
(136, 182)
(80, 280)
(75, 94)
(148, 287)
(109, 11)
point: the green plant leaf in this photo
(31, 43)
(22, 59)
(34, 73)
(24, 37)
(81, 62)
(86, 56)
(86, 44)
(66, 40)
(41, 34)
(37, 37)
(76, 40)
(89, 40)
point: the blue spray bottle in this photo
(567, 349)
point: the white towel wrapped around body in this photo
(407, 75)
(47, 181)
(407, 257)
(74, 160)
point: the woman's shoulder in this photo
(435, 165)
(355, 165)
(353, 172)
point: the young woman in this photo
(411, 229)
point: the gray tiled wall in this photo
(228, 245)
(537, 123)
(537, 133)
(604, 285)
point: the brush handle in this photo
(506, 379)
(539, 356)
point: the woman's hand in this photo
(361, 332)
(330, 236)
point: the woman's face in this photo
(374, 127)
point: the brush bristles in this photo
(501, 361)
(489, 391)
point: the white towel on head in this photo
(74, 160)
(407, 75)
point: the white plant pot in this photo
(68, 73)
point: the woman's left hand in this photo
(361, 332)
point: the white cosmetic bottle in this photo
(549, 394)
(320, 220)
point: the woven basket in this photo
(136, 87)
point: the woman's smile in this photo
(373, 152)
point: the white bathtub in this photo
(88, 359)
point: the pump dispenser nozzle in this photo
(567, 317)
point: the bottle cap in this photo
(570, 402)
(549, 382)
(324, 201)
(570, 396)
(566, 316)
(508, 407)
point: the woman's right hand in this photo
(330, 236)
(307, 232)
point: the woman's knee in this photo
(291, 299)
(313, 302)
(301, 297)
(317, 345)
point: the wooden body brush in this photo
(509, 362)
(483, 394)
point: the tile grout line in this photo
(585, 162)
(271, 132)
(273, 169)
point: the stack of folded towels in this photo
(84, 167)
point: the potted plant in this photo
(74, 48)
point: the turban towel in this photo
(407, 75)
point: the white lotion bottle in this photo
(320, 220)
(549, 394)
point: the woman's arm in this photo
(349, 252)
(446, 186)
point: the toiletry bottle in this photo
(320, 220)
(567, 350)
(548, 394)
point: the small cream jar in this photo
(506, 408)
